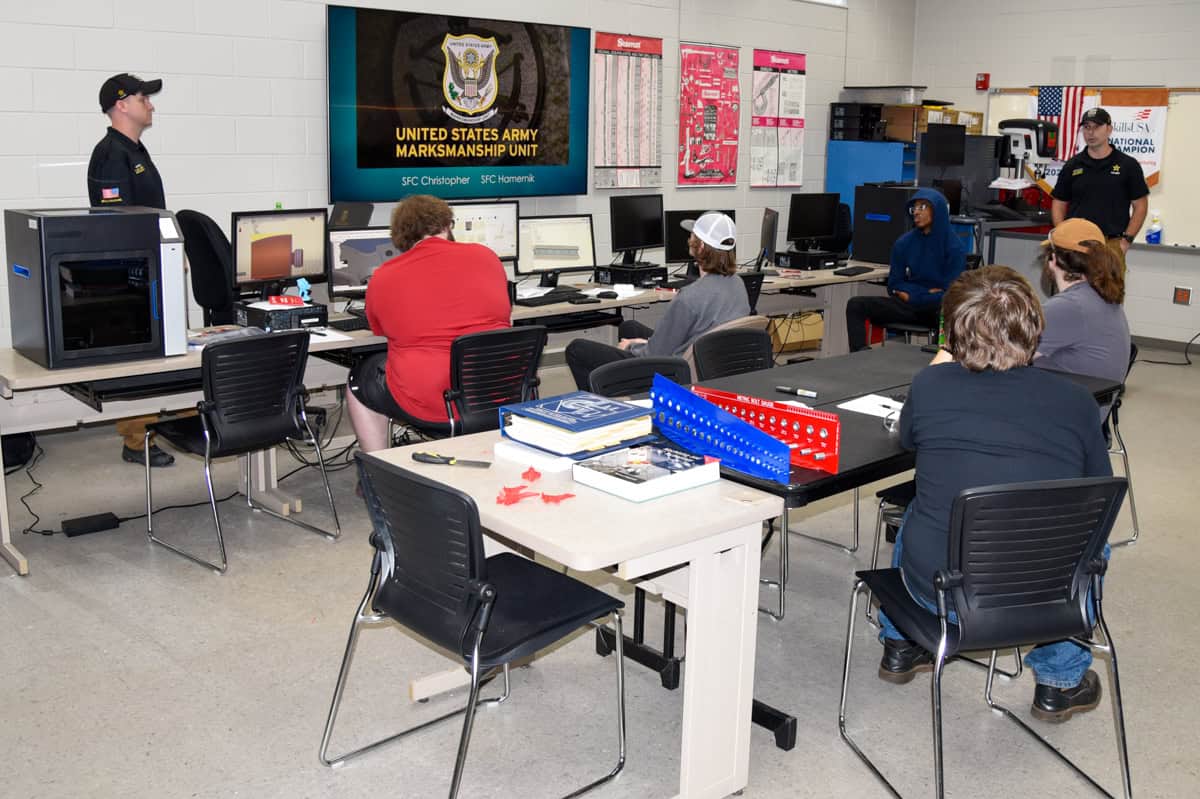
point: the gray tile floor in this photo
(128, 671)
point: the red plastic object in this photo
(284, 299)
(813, 438)
(511, 495)
(530, 474)
(554, 499)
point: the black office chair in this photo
(754, 284)
(429, 574)
(210, 260)
(974, 261)
(490, 369)
(1022, 558)
(720, 353)
(630, 376)
(487, 370)
(844, 231)
(1112, 432)
(253, 400)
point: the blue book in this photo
(576, 424)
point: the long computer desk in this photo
(713, 530)
(834, 292)
(34, 399)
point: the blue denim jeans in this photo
(1061, 664)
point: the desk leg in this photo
(833, 337)
(718, 690)
(265, 482)
(7, 551)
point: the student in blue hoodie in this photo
(925, 260)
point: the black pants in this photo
(583, 355)
(882, 311)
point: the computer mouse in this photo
(607, 295)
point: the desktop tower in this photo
(880, 217)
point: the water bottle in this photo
(941, 329)
(1154, 234)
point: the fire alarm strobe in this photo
(983, 80)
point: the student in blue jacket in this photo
(925, 260)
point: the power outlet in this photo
(1182, 295)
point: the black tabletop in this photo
(868, 451)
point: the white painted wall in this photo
(241, 119)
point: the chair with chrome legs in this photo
(1023, 560)
(429, 574)
(1113, 423)
(253, 400)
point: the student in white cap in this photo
(717, 297)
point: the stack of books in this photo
(578, 425)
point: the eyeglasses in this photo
(915, 207)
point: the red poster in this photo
(709, 111)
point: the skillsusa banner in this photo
(1139, 119)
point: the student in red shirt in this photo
(433, 292)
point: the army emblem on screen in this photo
(469, 83)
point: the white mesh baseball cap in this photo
(714, 229)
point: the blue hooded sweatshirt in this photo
(924, 261)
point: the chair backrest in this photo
(844, 231)
(432, 546)
(210, 259)
(490, 369)
(254, 385)
(751, 322)
(754, 283)
(630, 376)
(1026, 553)
(732, 351)
(974, 261)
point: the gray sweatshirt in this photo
(710, 301)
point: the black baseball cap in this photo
(118, 87)
(1096, 116)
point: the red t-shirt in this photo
(421, 301)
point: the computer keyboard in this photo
(549, 298)
(350, 323)
(851, 271)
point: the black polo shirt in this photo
(1101, 190)
(121, 173)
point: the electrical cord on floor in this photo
(33, 526)
(1187, 359)
(201, 503)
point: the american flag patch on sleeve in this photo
(110, 194)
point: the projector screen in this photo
(457, 107)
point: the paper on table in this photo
(526, 292)
(1011, 183)
(623, 290)
(267, 305)
(328, 334)
(872, 405)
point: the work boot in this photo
(157, 456)
(902, 660)
(1056, 705)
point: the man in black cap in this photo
(1103, 185)
(121, 173)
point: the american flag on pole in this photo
(1063, 105)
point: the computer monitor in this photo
(274, 249)
(812, 218)
(944, 145)
(492, 224)
(551, 245)
(768, 235)
(636, 224)
(677, 238)
(354, 255)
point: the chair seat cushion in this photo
(187, 433)
(912, 619)
(534, 607)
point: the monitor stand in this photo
(549, 279)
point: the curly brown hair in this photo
(1099, 266)
(418, 217)
(993, 319)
